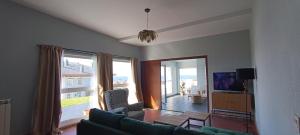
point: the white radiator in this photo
(4, 116)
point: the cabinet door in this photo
(243, 103)
(234, 102)
(219, 101)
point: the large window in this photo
(78, 86)
(122, 78)
(188, 79)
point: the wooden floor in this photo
(217, 121)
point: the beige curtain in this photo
(47, 111)
(104, 75)
(137, 82)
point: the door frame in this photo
(206, 67)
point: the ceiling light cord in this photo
(147, 19)
(147, 10)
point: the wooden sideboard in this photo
(231, 101)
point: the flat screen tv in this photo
(226, 81)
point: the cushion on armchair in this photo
(139, 115)
(136, 107)
(120, 110)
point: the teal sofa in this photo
(106, 123)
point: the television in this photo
(227, 81)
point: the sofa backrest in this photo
(183, 131)
(86, 127)
(105, 118)
(119, 124)
(137, 127)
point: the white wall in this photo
(225, 52)
(20, 30)
(276, 53)
(190, 63)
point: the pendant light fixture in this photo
(147, 35)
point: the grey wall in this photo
(187, 63)
(20, 30)
(276, 53)
(225, 52)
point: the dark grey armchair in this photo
(117, 102)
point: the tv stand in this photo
(228, 103)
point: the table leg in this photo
(210, 120)
(188, 124)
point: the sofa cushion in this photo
(137, 127)
(161, 129)
(86, 127)
(221, 134)
(183, 131)
(105, 118)
(220, 131)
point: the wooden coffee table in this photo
(199, 116)
(173, 120)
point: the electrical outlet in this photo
(297, 121)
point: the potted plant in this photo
(182, 88)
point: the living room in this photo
(232, 34)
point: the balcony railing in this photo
(77, 89)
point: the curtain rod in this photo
(90, 52)
(80, 51)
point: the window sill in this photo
(71, 122)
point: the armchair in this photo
(117, 102)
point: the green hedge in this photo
(74, 101)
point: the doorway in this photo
(184, 85)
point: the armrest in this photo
(136, 107)
(120, 110)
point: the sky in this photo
(121, 68)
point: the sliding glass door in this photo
(184, 85)
(163, 84)
(168, 81)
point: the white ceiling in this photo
(173, 19)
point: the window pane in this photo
(78, 85)
(169, 83)
(162, 76)
(188, 78)
(122, 78)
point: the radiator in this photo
(4, 116)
